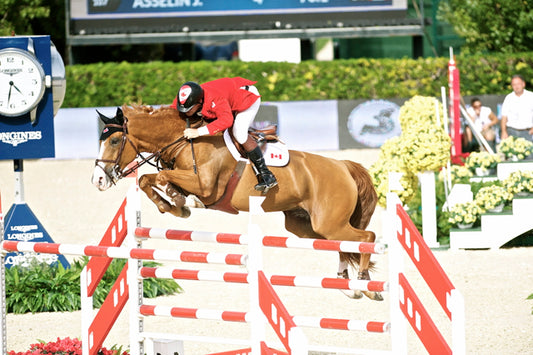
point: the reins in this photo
(156, 155)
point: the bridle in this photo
(116, 173)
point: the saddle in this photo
(262, 136)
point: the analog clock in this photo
(22, 82)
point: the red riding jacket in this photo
(223, 98)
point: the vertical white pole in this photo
(19, 181)
(255, 263)
(87, 315)
(398, 330)
(457, 308)
(3, 318)
(429, 210)
(135, 286)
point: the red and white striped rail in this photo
(268, 241)
(276, 280)
(125, 253)
(235, 316)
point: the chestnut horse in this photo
(321, 198)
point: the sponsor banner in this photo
(23, 226)
(368, 123)
(245, 7)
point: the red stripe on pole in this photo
(332, 323)
(92, 250)
(142, 232)
(367, 247)
(194, 256)
(183, 312)
(9, 245)
(228, 238)
(178, 235)
(234, 316)
(47, 248)
(281, 280)
(239, 277)
(327, 244)
(185, 274)
(147, 310)
(234, 259)
(336, 283)
(376, 286)
(142, 254)
(376, 327)
(148, 272)
(270, 241)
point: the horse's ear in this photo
(104, 119)
(119, 116)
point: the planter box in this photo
(496, 228)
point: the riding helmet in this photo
(189, 95)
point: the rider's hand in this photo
(191, 133)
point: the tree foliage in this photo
(16, 16)
(491, 25)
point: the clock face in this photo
(21, 82)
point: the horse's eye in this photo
(115, 141)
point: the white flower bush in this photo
(422, 146)
(482, 160)
(490, 197)
(515, 147)
(464, 213)
(519, 181)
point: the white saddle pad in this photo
(276, 154)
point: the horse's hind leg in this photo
(337, 227)
(299, 223)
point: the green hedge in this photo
(113, 84)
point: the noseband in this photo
(116, 174)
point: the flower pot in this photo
(465, 226)
(496, 209)
(513, 158)
(522, 193)
(482, 172)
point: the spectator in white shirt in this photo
(517, 111)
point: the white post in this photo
(135, 286)
(457, 308)
(3, 318)
(254, 264)
(87, 314)
(398, 330)
(429, 210)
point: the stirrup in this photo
(265, 186)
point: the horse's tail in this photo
(367, 199)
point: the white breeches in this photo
(244, 119)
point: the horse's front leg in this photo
(147, 183)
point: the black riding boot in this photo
(266, 180)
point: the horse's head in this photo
(115, 154)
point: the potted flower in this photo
(519, 183)
(464, 215)
(493, 198)
(482, 162)
(515, 148)
(459, 174)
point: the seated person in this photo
(484, 121)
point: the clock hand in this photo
(16, 88)
(9, 94)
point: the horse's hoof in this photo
(185, 212)
(375, 296)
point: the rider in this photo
(227, 101)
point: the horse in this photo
(321, 198)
